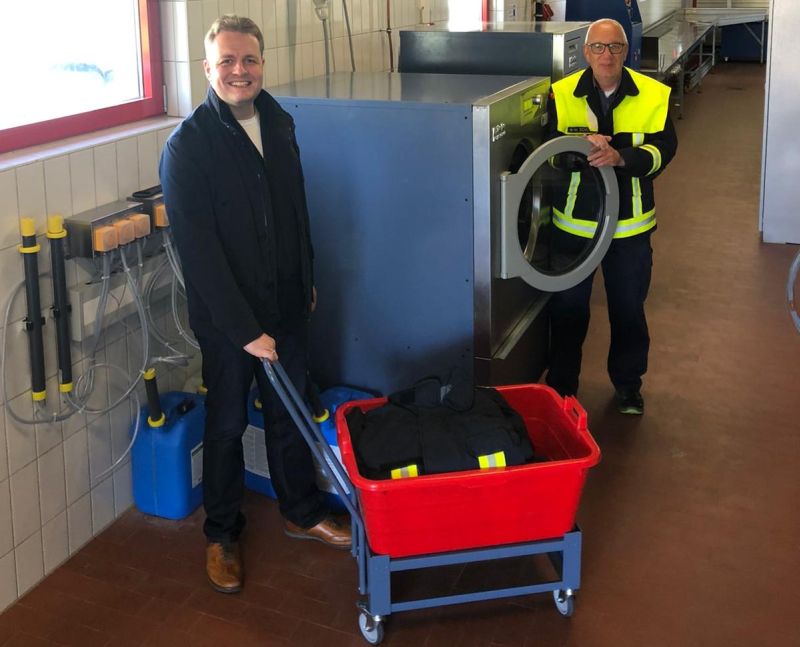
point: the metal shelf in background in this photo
(676, 53)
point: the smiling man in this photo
(625, 115)
(234, 192)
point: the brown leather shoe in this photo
(333, 531)
(224, 567)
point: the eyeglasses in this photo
(599, 48)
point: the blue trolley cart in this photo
(414, 523)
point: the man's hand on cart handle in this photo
(263, 348)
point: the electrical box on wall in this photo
(104, 228)
(152, 203)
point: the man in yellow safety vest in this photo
(625, 115)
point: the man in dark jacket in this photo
(625, 115)
(234, 192)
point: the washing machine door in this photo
(532, 246)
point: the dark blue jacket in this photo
(221, 200)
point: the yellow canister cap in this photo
(27, 226)
(55, 226)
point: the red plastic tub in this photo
(480, 508)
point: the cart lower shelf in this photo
(376, 571)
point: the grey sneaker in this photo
(630, 401)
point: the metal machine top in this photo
(521, 27)
(444, 89)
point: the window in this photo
(466, 14)
(71, 67)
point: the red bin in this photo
(480, 508)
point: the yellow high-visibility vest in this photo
(639, 115)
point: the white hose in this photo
(174, 261)
(177, 358)
(173, 257)
(322, 9)
(77, 400)
(137, 420)
(176, 317)
(349, 35)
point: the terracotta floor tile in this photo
(76, 635)
(229, 606)
(27, 640)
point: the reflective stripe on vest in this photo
(572, 193)
(498, 459)
(656, 157)
(587, 228)
(636, 197)
(409, 471)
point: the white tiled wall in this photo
(293, 38)
(50, 505)
(50, 501)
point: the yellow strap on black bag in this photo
(409, 471)
(487, 461)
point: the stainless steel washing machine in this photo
(429, 201)
(553, 49)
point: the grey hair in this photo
(609, 21)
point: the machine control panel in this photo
(531, 102)
(573, 56)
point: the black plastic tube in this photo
(318, 410)
(34, 321)
(56, 235)
(155, 415)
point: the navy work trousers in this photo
(228, 373)
(627, 268)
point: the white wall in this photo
(293, 38)
(50, 502)
(780, 195)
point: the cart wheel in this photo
(371, 628)
(565, 601)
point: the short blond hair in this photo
(240, 24)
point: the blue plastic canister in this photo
(256, 475)
(256, 469)
(168, 460)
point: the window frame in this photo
(150, 105)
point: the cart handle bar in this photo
(313, 436)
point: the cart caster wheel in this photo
(565, 601)
(371, 628)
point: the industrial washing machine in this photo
(428, 196)
(553, 49)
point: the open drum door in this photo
(551, 175)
